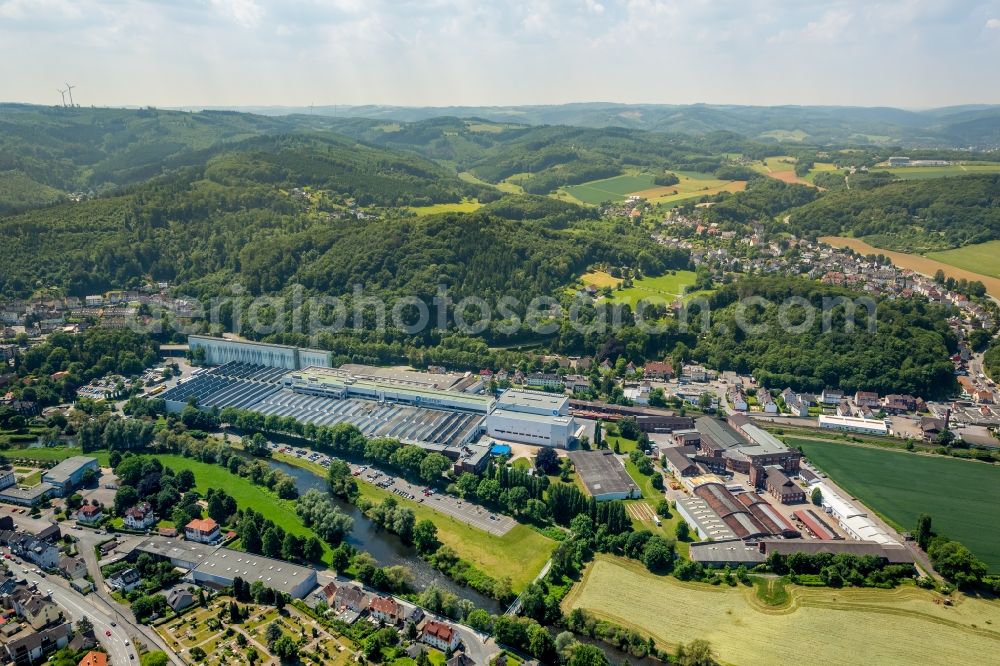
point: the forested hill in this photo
(916, 215)
(907, 353)
(948, 127)
(239, 217)
(545, 158)
(76, 149)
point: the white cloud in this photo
(594, 7)
(993, 24)
(246, 13)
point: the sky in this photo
(905, 53)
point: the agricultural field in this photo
(786, 135)
(610, 189)
(902, 626)
(781, 168)
(692, 185)
(960, 496)
(503, 186)
(600, 280)
(818, 168)
(981, 258)
(465, 206)
(928, 172)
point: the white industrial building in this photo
(339, 383)
(852, 519)
(854, 424)
(532, 417)
(219, 351)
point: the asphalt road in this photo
(76, 606)
(120, 614)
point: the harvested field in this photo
(902, 626)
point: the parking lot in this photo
(467, 512)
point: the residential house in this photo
(794, 403)
(694, 373)
(125, 580)
(545, 380)
(737, 398)
(577, 383)
(766, 402)
(831, 396)
(179, 598)
(659, 370)
(440, 635)
(42, 553)
(844, 409)
(29, 647)
(38, 611)
(867, 399)
(899, 404)
(140, 517)
(462, 659)
(94, 658)
(349, 597)
(90, 514)
(202, 530)
(328, 592)
(385, 609)
(72, 567)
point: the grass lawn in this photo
(902, 626)
(52, 454)
(520, 554)
(664, 289)
(32, 479)
(981, 258)
(246, 494)
(960, 496)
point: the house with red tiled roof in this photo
(440, 635)
(202, 530)
(385, 609)
(90, 514)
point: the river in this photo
(384, 546)
(915, 262)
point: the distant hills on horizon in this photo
(965, 126)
